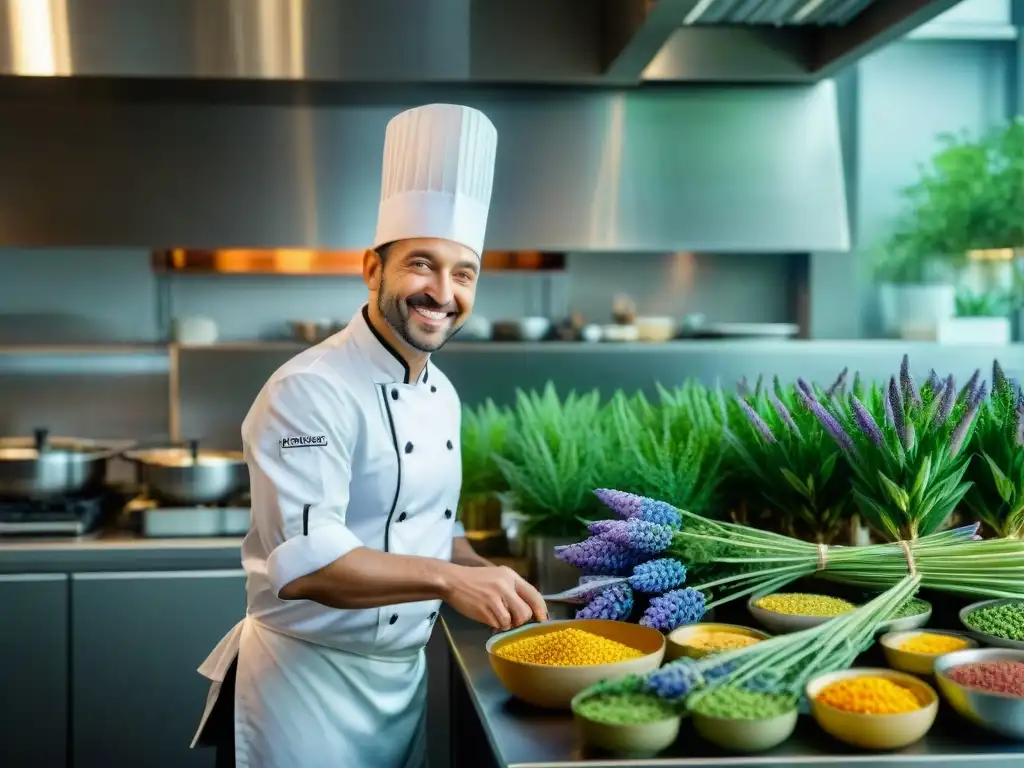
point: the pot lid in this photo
(41, 445)
(184, 457)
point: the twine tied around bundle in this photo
(909, 553)
(822, 556)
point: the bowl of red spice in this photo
(985, 686)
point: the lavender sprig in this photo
(639, 535)
(598, 555)
(899, 418)
(907, 384)
(838, 384)
(657, 576)
(947, 399)
(865, 422)
(784, 415)
(674, 609)
(827, 420)
(971, 386)
(756, 421)
(614, 603)
(630, 506)
(933, 381)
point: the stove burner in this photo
(58, 517)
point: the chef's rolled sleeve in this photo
(300, 451)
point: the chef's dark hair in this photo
(383, 251)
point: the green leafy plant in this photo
(671, 450)
(997, 495)
(996, 304)
(968, 196)
(799, 470)
(485, 433)
(552, 459)
(908, 466)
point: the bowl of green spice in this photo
(742, 720)
(622, 717)
(913, 614)
(996, 622)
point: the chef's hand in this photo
(498, 597)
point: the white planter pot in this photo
(975, 330)
(915, 311)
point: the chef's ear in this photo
(373, 268)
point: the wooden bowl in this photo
(914, 662)
(554, 687)
(875, 731)
(679, 640)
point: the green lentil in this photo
(735, 703)
(625, 708)
(912, 607)
(1005, 621)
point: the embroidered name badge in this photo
(304, 441)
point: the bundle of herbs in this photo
(795, 465)
(996, 497)
(552, 459)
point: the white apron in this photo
(343, 451)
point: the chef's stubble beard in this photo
(388, 306)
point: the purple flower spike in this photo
(742, 387)
(602, 526)
(598, 555)
(972, 384)
(657, 576)
(956, 440)
(615, 603)
(678, 679)
(865, 422)
(827, 421)
(998, 377)
(640, 536)
(630, 506)
(907, 384)
(838, 384)
(674, 609)
(947, 399)
(933, 381)
(980, 394)
(756, 421)
(895, 402)
(1019, 424)
(783, 413)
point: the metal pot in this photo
(43, 467)
(190, 476)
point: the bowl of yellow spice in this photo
(793, 611)
(916, 651)
(873, 708)
(697, 640)
(548, 664)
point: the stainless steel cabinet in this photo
(33, 670)
(138, 639)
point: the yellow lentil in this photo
(933, 644)
(720, 641)
(799, 604)
(869, 696)
(567, 648)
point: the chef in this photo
(355, 470)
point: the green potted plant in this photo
(485, 431)
(966, 208)
(982, 318)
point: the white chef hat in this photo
(438, 174)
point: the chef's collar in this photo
(387, 362)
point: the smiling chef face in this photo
(425, 288)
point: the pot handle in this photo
(42, 437)
(193, 448)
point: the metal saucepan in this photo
(43, 467)
(190, 476)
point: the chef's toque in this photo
(438, 174)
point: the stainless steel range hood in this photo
(259, 123)
(527, 41)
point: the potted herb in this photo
(484, 435)
(980, 318)
(968, 199)
(551, 460)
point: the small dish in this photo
(915, 662)
(783, 623)
(997, 712)
(742, 735)
(554, 687)
(636, 740)
(987, 639)
(905, 623)
(679, 640)
(875, 731)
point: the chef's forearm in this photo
(368, 578)
(464, 554)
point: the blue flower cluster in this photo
(598, 555)
(674, 609)
(657, 576)
(629, 506)
(639, 535)
(678, 679)
(614, 602)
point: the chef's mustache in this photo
(423, 300)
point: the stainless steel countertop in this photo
(118, 551)
(524, 737)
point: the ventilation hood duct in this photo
(260, 123)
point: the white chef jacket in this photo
(344, 450)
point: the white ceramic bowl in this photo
(534, 328)
(783, 623)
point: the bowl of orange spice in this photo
(697, 640)
(916, 651)
(873, 708)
